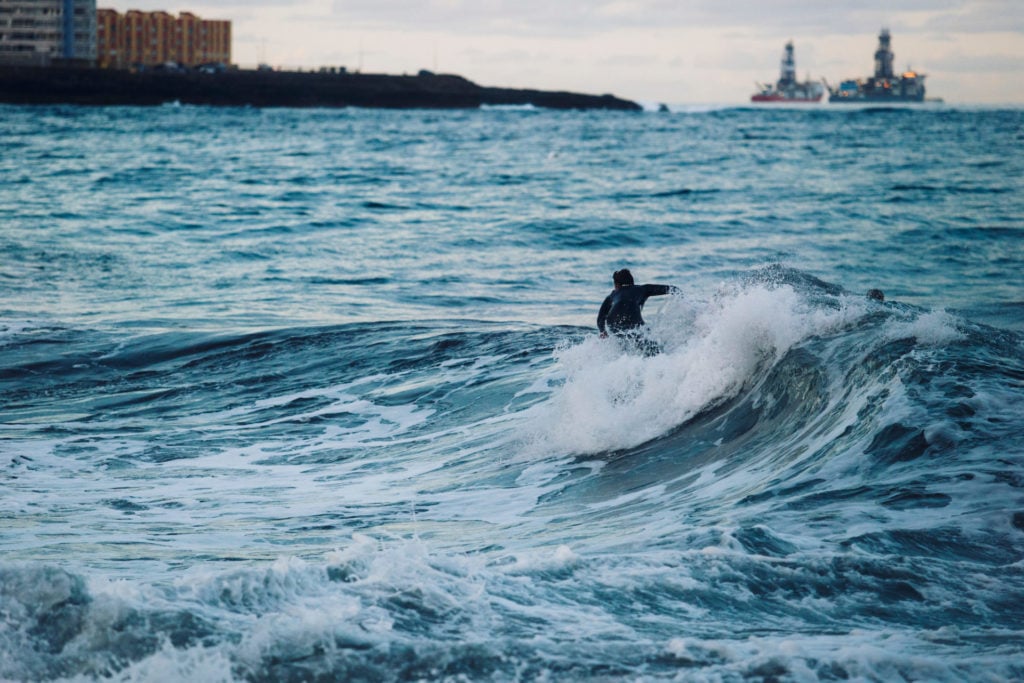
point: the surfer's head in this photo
(622, 277)
(876, 294)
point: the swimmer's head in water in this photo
(876, 294)
(622, 277)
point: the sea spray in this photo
(612, 398)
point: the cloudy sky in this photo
(674, 51)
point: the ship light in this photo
(910, 74)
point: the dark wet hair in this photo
(622, 277)
(876, 294)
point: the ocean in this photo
(317, 395)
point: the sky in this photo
(650, 51)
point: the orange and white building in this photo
(138, 38)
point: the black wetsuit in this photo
(620, 312)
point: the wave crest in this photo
(612, 399)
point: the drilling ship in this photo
(787, 88)
(885, 85)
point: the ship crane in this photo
(885, 85)
(884, 56)
(787, 71)
(788, 88)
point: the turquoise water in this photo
(317, 395)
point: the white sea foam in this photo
(931, 328)
(859, 655)
(611, 398)
(206, 664)
(375, 421)
(546, 559)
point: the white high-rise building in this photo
(40, 31)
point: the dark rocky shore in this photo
(64, 85)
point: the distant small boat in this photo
(787, 88)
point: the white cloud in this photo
(651, 50)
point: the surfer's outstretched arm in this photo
(659, 290)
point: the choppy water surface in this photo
(317, 395)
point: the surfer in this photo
(620, 312)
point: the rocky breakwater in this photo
(235, 87)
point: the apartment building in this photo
(41, 31)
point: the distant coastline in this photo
(236, 87)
